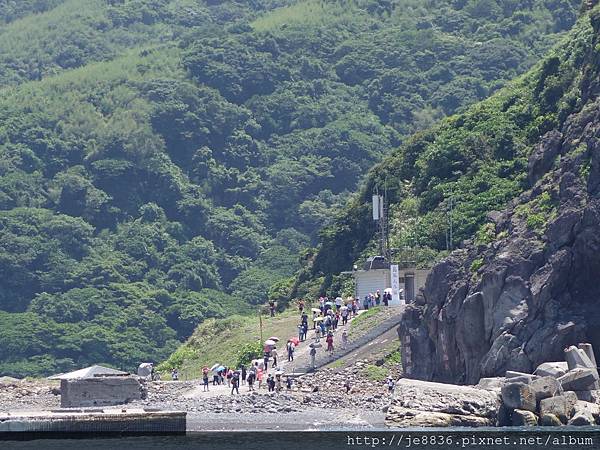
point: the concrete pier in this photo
(97, 421)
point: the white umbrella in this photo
(279, 372)
(317, 319)
(215, 366)
(344, 308)
(274, 338)
(316, 310)
(270, 342)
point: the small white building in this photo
(376, 274)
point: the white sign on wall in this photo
(395, 283)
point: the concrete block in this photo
(519, 377)
(99, 391)
(545, 387)
(576, 358)
(579, 379)
(521, 418)
(518, 396)
(561, 406)
(589, 352)
(552, 369)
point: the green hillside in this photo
(167, 161)
(478, 160)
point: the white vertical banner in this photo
(395, 283)
(376, 208)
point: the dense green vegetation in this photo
(167, 161)
(477, 160)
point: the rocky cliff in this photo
(533, 288)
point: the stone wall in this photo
(100, 391)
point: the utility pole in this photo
(260, 325)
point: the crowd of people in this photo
(328, 317)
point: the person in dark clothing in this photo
(243, 370)
(272, 308)
(386, 299)
(235, 382)
(271, 383)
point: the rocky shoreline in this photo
(323, 390)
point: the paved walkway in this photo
(301, 364)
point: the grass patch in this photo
(364, 317)
(308, 13)
(222, 340)
(375, 373)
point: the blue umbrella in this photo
(220, 368)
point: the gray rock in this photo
(582, 419)
(561, 406)
(552, 369)
(418, 403)
(491, 384)
(518, 396)
(579, 379)
(581, 407)
(545, 387)
(521, 418)
(399, 417)
(549, 420)
(510, 374)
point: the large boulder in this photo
(545, 387)
(561, 406)
(552, 369)
(579, 379)
(518, 396)
(421, 403)
(586, 409)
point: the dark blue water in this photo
(441, 439)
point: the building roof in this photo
(89, 372)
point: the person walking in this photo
(235, 382)
(377, 297)
(344, 338)
(274, 355)
(301, 306)
(338, 302)
(386, 299)
(250, 380)
(229, 376)
(272, 307)
(347, 386)
(271, 383)
(174, 374)
(366, 302)
(259, 377)
(304, 331)
(329, 341)
(244, 373)
(313, 355)
(290, 351)
(266, 356)
(344, 313)
(205, 379)
(391, 385)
